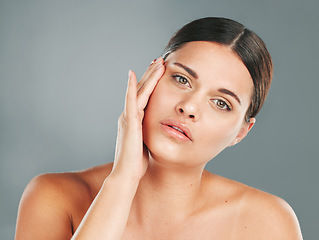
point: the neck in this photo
(173, 178)
(169, 189)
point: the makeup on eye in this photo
(221, 104)
(181, 80)
(194, 74)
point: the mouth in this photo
(177, 129)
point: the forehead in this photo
(215, 64)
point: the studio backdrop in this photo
(63, 75)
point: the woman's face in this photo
(198, 107)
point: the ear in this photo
(244, 131)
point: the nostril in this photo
(191, 116)
(181, 110)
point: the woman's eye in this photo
(222, 104)
(181, 80)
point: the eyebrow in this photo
(194, 75)
(226, 91)
(187, 69)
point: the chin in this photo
(163, 150)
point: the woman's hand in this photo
(131, 156)
(107, 216)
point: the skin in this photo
(157, 187)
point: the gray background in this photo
(63, 73)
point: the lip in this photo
(169, 125)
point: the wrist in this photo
(126, 173)
(122, 180)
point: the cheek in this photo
(214, 135)
(162, 99)
(154, 111)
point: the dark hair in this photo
(245, 43)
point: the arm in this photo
(42, 216)
(109, 212)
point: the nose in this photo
(189, 108)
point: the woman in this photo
(197, 99)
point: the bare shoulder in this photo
(269, 215)
(63, 187)
(258, 213)
(55, 202)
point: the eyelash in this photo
(177, 78)
(226, 106)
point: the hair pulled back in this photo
(245, 43)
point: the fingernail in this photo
(129, 73)
(153, 61)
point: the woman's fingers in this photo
(154, 64)
(149, 84)
(137, 94)
(131, 96)
(147, 73)
(131, 156)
